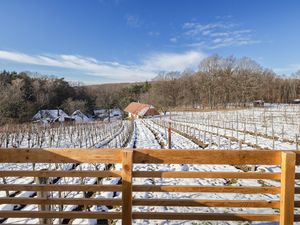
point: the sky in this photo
(109, 41)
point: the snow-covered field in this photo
(275, 127)
(94, 134)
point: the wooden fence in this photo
(128, 157)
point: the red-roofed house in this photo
(139, 110)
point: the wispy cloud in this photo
(289, 69)
(114, 71)
(193, 29)
(216, 35)
(133, 21)
(109, 70)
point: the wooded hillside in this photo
(217, 83)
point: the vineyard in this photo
(272, 128)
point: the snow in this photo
(273, 128)
(80, 117)
(143, 137)
(51, 115)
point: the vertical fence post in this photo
(287, 194)
(127, 158)
(169, 136)
(42, 194)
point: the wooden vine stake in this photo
(169, 136)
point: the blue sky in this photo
(103, 41)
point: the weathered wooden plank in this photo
(66, 215)
(191, 174)
(60, 155)
(287, 188)
(141, 156)
(54, 187)
(60, 173)
(127, 187)
(207, 203)
(205, 216)
(61, 201)
(211, 189)
(235, 157)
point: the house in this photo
(139, 110)
(258, 103)
(80, 117)
(51, 116)
(116, 112)
(100, 113)
(103, 114)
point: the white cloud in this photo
(193, 29)
(174, 61)
(108, 70)
(232, 41)
(114, 71)
(217, 35)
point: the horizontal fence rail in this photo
(47, 193)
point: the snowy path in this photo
(178, 141)
(142, 137)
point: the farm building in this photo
(116, 112)
(80, 117)
(103, 114)
(258, 103)
(51, 116)
(100, 113)
(139, 110)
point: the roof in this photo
(50, 113)
(137, 108)
(80, 117)
(100, 111)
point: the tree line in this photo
(218, 83)
(21, 96)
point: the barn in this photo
(140, 110)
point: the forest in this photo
(218, 82)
